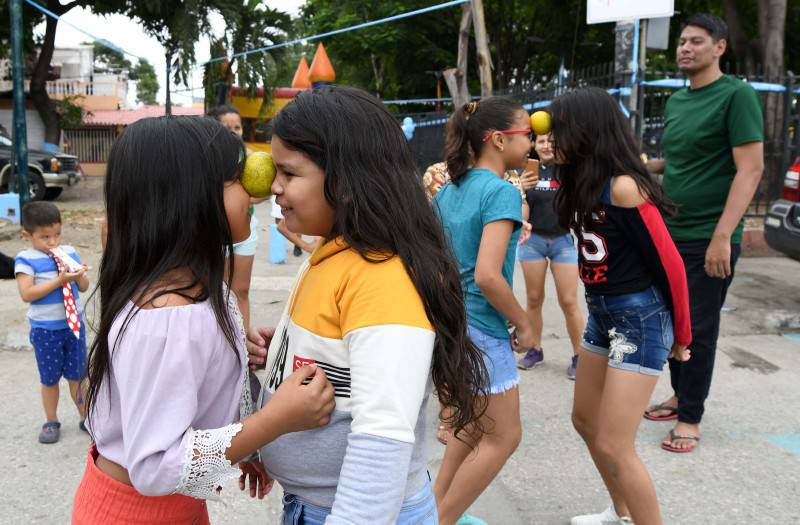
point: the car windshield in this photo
(5, 141)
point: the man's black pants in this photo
(691, 380)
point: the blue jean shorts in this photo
(634, 330)
(419, 509)
(560, 249)
(59, 354)
(498, 356)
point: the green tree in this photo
(391, 60)
(249, 26)
(177, 26)
(31, 17)
(108, 60)
(146, 82)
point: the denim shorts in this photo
(560, 249)
(59, 354)
(634, 330)
(419, 509)
(498, 356)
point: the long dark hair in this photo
(381, 210)
(593, 143)
(165, 212)
(468, 126)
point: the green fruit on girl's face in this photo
(258, 174)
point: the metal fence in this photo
(90, 144)
(780, 101)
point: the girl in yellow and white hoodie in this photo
(378, 307)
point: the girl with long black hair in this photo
(482, 217)
(168, 404)
(635, 291)
(378, 306)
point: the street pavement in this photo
(745, 470)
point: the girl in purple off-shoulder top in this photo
(169, 406)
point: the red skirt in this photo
(101, 499)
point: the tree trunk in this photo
(771, 31)
(377, 73)
(456, 78)
(739, 42)
(482, 47)
(38, 90)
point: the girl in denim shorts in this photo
(636, 292)
(548, 242)
(482, 215)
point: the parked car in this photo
(782, 223)
(48, 173)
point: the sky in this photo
(126, 33)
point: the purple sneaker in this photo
(572, 368)
(531, 359)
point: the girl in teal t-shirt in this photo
(481, 215)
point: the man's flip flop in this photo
(673, 436)
(673, 413)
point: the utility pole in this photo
(482, 45)
(639, 66)
(20, 136)
(638, 94)
(168, 102)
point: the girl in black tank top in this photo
(636, 291)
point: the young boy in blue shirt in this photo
(60, 346)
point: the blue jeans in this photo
(559, 249)
(634, 330)
(419, 509)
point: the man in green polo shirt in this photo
(713, 161)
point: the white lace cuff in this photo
(205, 467)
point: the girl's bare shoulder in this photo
(625, 192)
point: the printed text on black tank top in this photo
(594, 253)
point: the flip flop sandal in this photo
(673, 413)
(673, 436)
(50, 433)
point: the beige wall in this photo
(94, 169)
(95, 102)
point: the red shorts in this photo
(101, 499)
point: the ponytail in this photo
(467, 127)
(456, 148)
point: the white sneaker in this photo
(607, 517)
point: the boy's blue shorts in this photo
(59, 353)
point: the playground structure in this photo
(256, 115)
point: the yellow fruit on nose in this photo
(541, 122)
(258, 174)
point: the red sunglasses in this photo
(506, 132)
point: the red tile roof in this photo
(123, 117)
